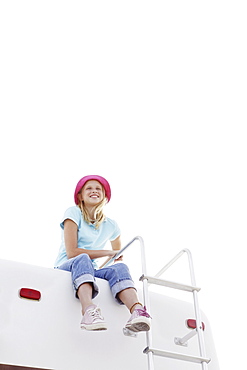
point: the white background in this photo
(152, 96)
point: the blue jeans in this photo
(82, 271)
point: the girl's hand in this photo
(118, 259)
(110, 255)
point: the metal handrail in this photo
(119, 253)
(169, 264)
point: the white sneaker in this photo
(140, 320)
(92, 319)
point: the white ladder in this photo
(149, 350)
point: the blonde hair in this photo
(98, 215)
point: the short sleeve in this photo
(116, 231)
(74, 214)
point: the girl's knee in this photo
(121, 267)
(121, 271)
(84, 256)
(82, 264)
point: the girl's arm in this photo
(72, 250)
(116, 246)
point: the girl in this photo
(85, 233)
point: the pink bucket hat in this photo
(101, 179)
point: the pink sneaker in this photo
(92, 319)
(140, 320)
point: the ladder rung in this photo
(177, 356)
(170, 284)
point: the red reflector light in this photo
(27, 293)
(192, 324)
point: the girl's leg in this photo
(123, 290)
(84, 294)
(92, 318)
(82, 273)
(119, 279)
(139, 319)
(130, 299)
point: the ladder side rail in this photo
(197, 310)
(199, 329)
(150, 355)
(191, 266)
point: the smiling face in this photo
(92, 193)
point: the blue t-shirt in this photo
(88, 236)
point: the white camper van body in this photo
(44, 332)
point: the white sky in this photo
(150, 95)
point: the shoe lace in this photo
(143, 312)
(95, 313)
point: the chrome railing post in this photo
(197, 310)
(145, 290)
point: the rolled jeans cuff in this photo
(86, 278)
(119, 286)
